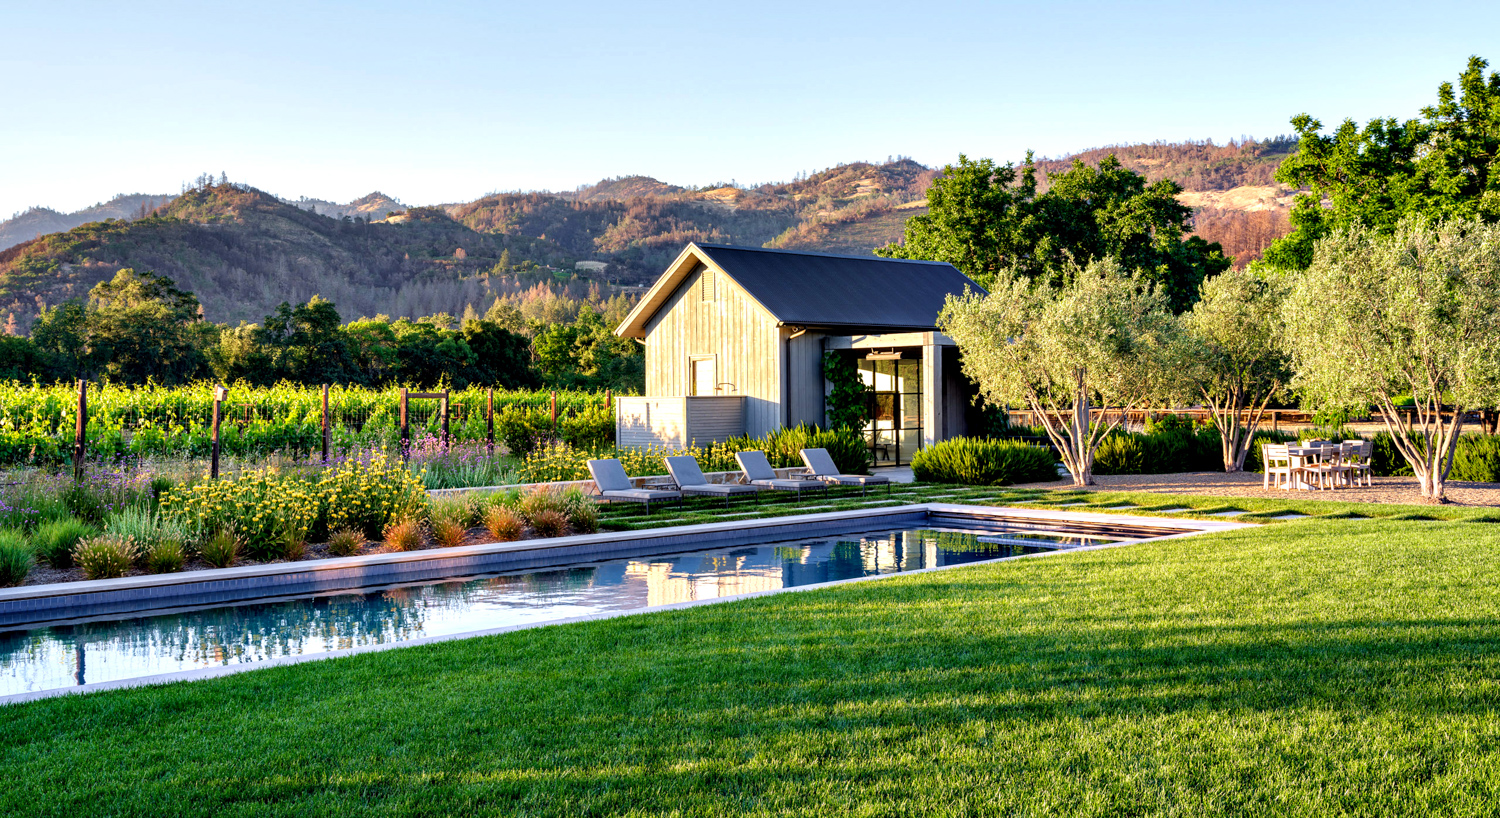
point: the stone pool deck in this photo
(1399, 490)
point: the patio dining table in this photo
(1302, 456)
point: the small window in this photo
(703, 376)
(709, 286)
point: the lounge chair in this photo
(820, 465)
(615, 486)
(758, 473)
(690, 480)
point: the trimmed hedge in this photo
(1173, 450)
(984, 462)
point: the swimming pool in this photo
(111, 647)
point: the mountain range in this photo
(242, 250)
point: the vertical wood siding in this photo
(739, 333)
(804, 372)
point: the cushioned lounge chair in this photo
(758, 473)
(690, 480)
(820, 465)
(614, 486)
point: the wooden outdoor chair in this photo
(1330, 470)
(1357, 458)
(1277, 464)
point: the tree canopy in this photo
(1415, 312)
(987, 220)
(1439, 166)
(1104, 333)
(1231, 354)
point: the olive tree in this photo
(1103, 336)
(1232, 356)
(1416, 312)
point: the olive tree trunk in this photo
(1077, 439)
(1427, 442)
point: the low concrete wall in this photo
(588, 486)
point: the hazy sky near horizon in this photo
(445, 101)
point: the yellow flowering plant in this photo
(371, 493)
(264, 507)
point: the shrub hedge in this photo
(986, 462)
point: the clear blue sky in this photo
(445, 101)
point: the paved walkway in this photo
(1247, 484)
(896, 474)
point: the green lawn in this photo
(1316, 667)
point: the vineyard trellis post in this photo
(554, 410)
(489, 420)
(444, 409)
(220, 393)
(80, 427)
(325, 423)
(405, 432)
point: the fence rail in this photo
(203, 424)
(1486, 419)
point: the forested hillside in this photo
(243, 251)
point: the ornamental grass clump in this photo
(15, 557)
(540, 500)
(581, 510)
(222, 549)
(166, 557)
(403, 535)
(345, 542)
(105, 556)
(53, 542)
(549, 523)
(503, 523)
(450, 518)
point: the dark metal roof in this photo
(821, 290)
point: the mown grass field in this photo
(1316, 667)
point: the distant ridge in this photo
(39, 221)
(243, 251)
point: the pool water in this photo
(62, 655)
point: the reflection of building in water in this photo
(699, 576)
(707, 577)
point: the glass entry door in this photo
(894, 428)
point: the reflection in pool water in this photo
(65, 655)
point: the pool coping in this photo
(1180, 528)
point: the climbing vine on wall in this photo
(847, 405)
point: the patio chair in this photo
(758, 473)
(1277, 463)
(1357, 458)
(690, 480)
(614, 486)
(1330, 469)
(821, 466)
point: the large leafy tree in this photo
(1104, 334)
(140, 327)
(586, 354)
(1415, 312)
(1232, 355)
(1440, 165)
(987, 219)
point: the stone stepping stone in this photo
(1170, 510)
(1119, 508)
(1074, 505)
(1290, 517)
(1228, 513)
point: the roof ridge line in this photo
(814, 253)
